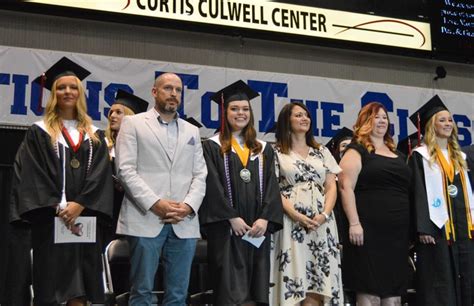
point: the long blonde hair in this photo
(110, 135)
(53, 121)
(430, 141)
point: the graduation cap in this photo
(136, 104)
(63, 67)
(193, 122)
(341, 135)
(236, 91)
(425, 112)
(407, 144)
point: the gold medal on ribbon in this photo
(75, 163)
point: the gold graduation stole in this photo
(242, 153)
(450, 190)
(245, 175)
(448, 167)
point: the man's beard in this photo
(167, 109)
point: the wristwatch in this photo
(325, 215)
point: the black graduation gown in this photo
(62, 271)
(110, 232)
(18, 277)
(341, 219)
(469, 150)
(444, 272)
(338, 211)
(240, 271)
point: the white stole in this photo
(437, 206)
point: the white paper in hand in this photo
(83, 231)
(257, 242)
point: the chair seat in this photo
(201, 298)
(156, 299)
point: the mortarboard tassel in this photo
(222, 113)
(42, 82)
(418, 123)
(409, 146)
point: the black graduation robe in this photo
(62, 271)
(240, 271)
(18, 268)
(469, 150)
(110, 232)
(445, 272)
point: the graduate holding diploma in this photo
(65, 173)
(242, 198)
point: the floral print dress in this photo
(305, 262)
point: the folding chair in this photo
(117, 269)
(199, 284)
(410, 297)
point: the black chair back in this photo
(117, 274)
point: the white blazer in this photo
(148, 174)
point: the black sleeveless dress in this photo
(379, 267)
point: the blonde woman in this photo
(126, 104)
(443, 204)
(65, 173)
(374, 186)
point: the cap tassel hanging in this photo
(409, 146)
(418, 123)
(236, 91)
(222, 113)
(40, 102)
